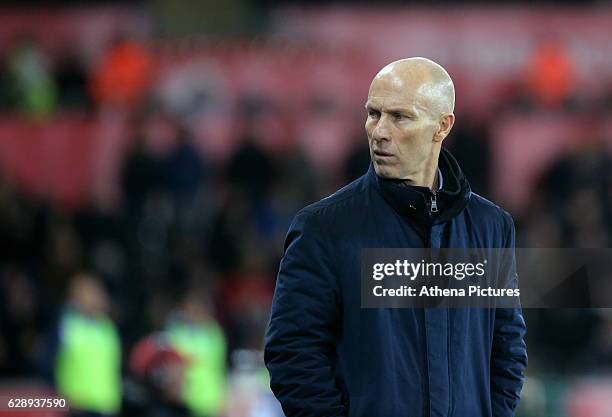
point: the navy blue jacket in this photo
(329, 357)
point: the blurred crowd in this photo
(156, 306)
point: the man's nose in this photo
(381, 130)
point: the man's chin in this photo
(384, 171)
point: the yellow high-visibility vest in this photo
(204, 347)
(88, 363)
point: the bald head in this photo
(424, 78)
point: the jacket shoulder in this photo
(491, 214)
(487, 207)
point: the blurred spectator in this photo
(247, 294)
(470, 144)
(123, 76)
(195, 334)
(297, 174)
(357, 161)
(541, 229)
(577, 189)
(31, 78)
(22, 227)
(71, 79)
(232, 219)
(141, 174)
(101, 235)
(251, 169)
(294, 187)
(548, 332)
(586, 219)
(87, 351)
(22, 313)
(550, 75)
(185, 168)
(160, 370)
(63, 255)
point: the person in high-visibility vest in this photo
(88, 359)
(195, 334)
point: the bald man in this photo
(326, 355)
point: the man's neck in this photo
(436, 182)
(428, 177)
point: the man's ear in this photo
(446, 124)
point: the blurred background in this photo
(153, 154)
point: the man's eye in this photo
(398, 116)
(373, 113)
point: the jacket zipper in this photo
(433, 208)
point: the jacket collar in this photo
(414, 201)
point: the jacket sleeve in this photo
(302, 332)
(509, 352)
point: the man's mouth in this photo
(383, 154)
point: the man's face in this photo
(400, 128)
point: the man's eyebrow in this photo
(402, 110)
(399, 110)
